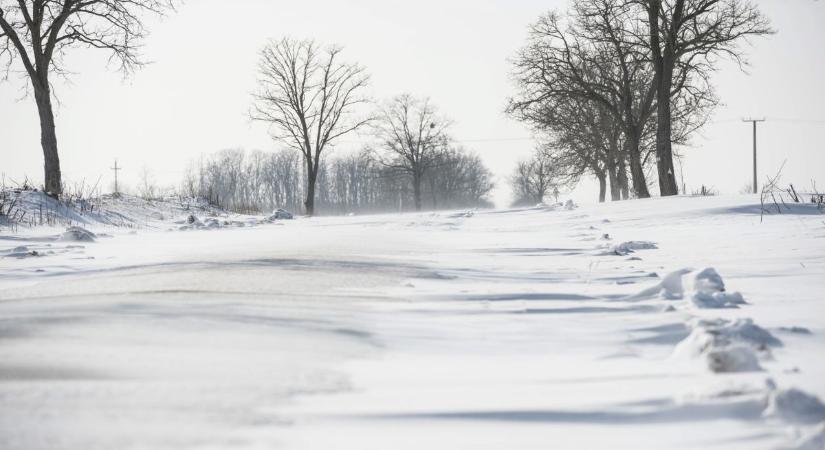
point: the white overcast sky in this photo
(194, 97)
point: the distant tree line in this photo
(257, 181)
(310, 98)
(611, 86)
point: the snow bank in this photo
(77, 234)
(812, 440)
(795, 406)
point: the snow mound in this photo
(670, 288)
(706, 289)
(626, 248)
(77, 234)
(733, 359)
(795, 406)
(812, 440)
(709, 291)
(728, 345)
(462, 214)
(281, 214)
(721, 332)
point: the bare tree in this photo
(147, 187)
(38, 33)
(685, 37)
(593, 58)
(587, 58)
(534, 178)
(412, 132)
(309, 98)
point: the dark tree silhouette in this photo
(309, 98)
(38, 33)
(685, 37)
(595, 54)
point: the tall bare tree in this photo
(587, 58)
(685, 37)
(309, 98)
(412, 132)
(594, 54)
(38, 33)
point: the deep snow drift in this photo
(662, 323)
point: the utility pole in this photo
(754, 122)
(116, 168)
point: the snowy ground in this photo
(499, 330)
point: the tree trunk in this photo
(664, 150)
(636, 170)
(621, 175)
(602, 187)
(417, 190)
(611, 172)
(48, 140)
(309, 202)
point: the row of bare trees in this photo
(252, 182)
(612, 85)
(310, 98)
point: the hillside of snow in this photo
(647, 324)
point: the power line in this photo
(785, 119)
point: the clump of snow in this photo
(22, 251)
(462, 214)
(709, 291)
(706, 288)
(795, 406)
(728, 345)
(77, 234)
(733, 359)
(281, 214)
(811, 440)
(626, 248)
(671, 287)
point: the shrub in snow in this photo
(77, 234)
(796, 406)
(709, 291)
(569, 205)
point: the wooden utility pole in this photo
(754, 122)
(116, 168)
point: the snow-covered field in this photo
(597, 327)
